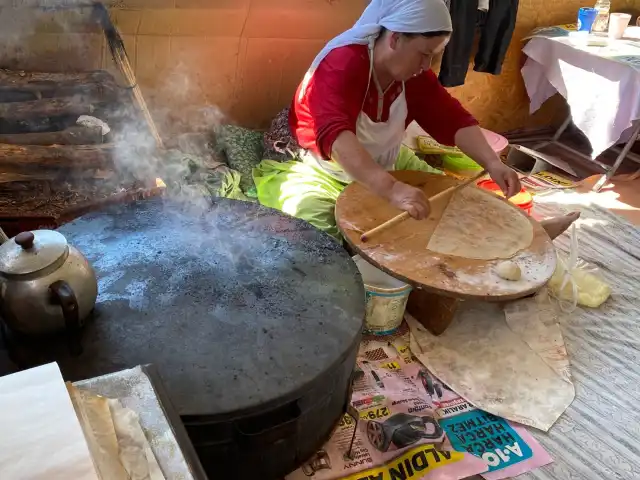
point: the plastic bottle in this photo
(602, 20)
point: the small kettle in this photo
(46, 285)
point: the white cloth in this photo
(600, 84)
(405, 16)
(383, 139)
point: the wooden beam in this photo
(50, 107)
(27, 157)
(76, 135)
(47, 84)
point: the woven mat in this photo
(597, 437)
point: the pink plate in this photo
(497, 142)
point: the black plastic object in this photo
(63, 295)
(253, 319)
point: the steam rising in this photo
(135, 154)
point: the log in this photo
(76, 135)
(76, 211)
(19, 77)
(106, 94)
(15, 178)
(50, 107)
(37, 125)
(47, 85)
(27, 157)
(15, 222)
(10, 179)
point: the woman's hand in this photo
(506, 178)
(358, 163)
(473, 143)
(410, 199)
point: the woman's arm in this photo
(356, 161)
(435, 110)
(359, 165)
(330, 112)
(473, 143)
(449, 123)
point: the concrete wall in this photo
(199, 59)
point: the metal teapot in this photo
(46, 285)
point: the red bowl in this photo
(523, 200)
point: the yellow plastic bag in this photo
(575, 282)
(429, 146)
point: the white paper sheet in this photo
(483, 360)
(41, 436)
(534, 320)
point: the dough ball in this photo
(509, 270)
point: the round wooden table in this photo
(439, 281)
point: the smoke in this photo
(22, 20)
(56, 36)
(235, 238)
(187, 127)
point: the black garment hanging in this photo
(496, 29)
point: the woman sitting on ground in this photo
(350, 114)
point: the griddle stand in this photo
(610, 171)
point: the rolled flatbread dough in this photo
(479, 225)
(509, 270)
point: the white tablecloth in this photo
(601, 84)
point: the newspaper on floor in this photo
(412, 426)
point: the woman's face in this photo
(411, 55)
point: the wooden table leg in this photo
(433, 311)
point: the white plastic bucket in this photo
(386, 298)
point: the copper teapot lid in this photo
(29, 252)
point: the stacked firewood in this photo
(49, 161)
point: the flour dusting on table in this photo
(533, 270)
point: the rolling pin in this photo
(404, 215)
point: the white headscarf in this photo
(404, 16)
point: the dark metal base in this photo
(252, 318)
(275, 443)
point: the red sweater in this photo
(335, 93)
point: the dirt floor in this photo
(620, 196)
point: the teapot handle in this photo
(3, 236)
(64, 296)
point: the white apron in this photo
(382, 140)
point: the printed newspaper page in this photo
(412, 426)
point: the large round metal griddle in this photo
(402, 250)
(239, 307)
